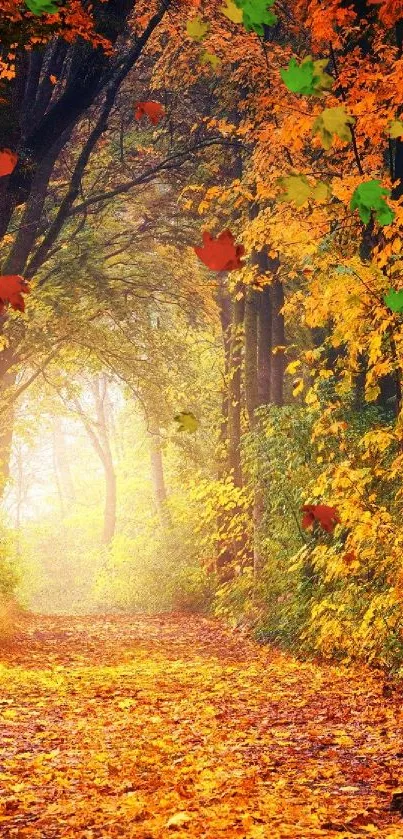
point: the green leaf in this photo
(42, 7)
(299, 190)
(197, 28)
(394, 300)
(257, 14)
(307, 78)
(396, 129)
(331, 122)
(369, 197)
(187, 422)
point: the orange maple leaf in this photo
(153, 110)
(8, 162)
(327, 517)
(12, 287)
(220, 254)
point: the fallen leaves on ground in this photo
(168, 726)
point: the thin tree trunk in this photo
(251, 342)
(62, 465)
(235, 378)
(157, 474)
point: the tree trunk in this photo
(109, 527)
(251, 354)
(264, 346)
(278, 339)
(62, 465)
(224, 306)
(234, 413)
(101, 443)
(157, 474)
(8, 375)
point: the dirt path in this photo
(161, 727)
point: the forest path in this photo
(170, 726)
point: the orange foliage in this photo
(170, 726)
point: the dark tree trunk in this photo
(251, 356)
(264, 346)
(278, 340)
(235, 378)
(8, 375)
(224, 306)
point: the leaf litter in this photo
(165, 726)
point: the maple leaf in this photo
(153, 110)
(197, 28)
(12, 287)
(333, 121)
(326, 516)
(187, 422)
(42, 7)
(8, 162)
(232, 12)
(220, 254)
(210, 58)
(299, 190)
(369, 197)
(396, 129)
(256, 14)
(307, 78)
(394, 300)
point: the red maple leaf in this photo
(220, 254)
(12, 287)
(327, 517)
(8, 162)
(153, 110)
(349, 558)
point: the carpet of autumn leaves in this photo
(171, 726)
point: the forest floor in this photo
(170, 726)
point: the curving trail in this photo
(170, 726)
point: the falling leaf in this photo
(299, 190)
(42, 7)
(331, 122)
(220, 254)
(12, 287)
(232, 12)
(197, 28)
(394, 300)
(210, 58)
(53, 79)
(187, 422)
(153, 110)
(257, 14)
(307, 78)
(297, 386)
(369, 197)
(8, 162)
(327, 517)
(396, 129)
